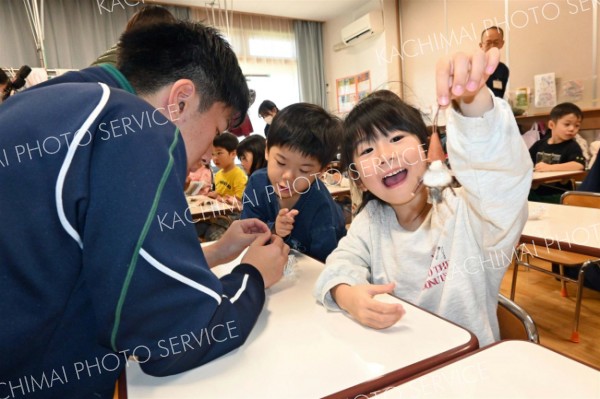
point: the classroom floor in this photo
(539, 295)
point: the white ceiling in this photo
(312, 10)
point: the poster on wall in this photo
(572, 90)
(351, 89)
(545, 90)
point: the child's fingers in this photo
(286, 221)
(492, 60)
(477, 75)
(443, 71)
(460, 76)
(376, 289)
(282, 211)
(292, 214)
(383, 315)
(386, 308)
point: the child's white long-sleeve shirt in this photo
(453, 264)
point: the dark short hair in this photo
(226, 140)
(148, 15)
(564, 109)
(255, 145)
(3, 77)
(382, 112)
(267, 106)
(499, 29)
(306, 128)
(154, 56)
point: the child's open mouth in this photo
(394, 178)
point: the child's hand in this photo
(212, 194)
(284, 224)
(461, 77)
(543, 167)
(358, 301)
(227, 199)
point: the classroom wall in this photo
(541, 36)
(366, 56)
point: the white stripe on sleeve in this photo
(67, 163)
(179, 277)
(241, 290)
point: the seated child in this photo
(449, 257)
(202, 176)
(287, 194)
(230, 182)
(251, 153)
(558, 152)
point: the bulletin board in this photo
(351, 89)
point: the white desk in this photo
(300, 350)
(508, 369)
(202, 207)
(571, 228)
(557, 177)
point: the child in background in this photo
(448, 258)
(202, 174)
(251, 153)
(558, 152)
(230, 182)
(267, 110)
(287, 195)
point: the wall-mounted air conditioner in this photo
(363, 28)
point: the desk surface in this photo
(553, 177)
(300, 350)
(571, 228)
(508, 369)
(203, 207)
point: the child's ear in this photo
(266, 154)
(551, 125)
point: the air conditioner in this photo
(363, 28)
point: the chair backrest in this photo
(581, 198)
(514, 322)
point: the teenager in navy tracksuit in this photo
(99, 258)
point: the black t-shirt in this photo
(567, 151)
(500, 75)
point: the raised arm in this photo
(486, 152)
